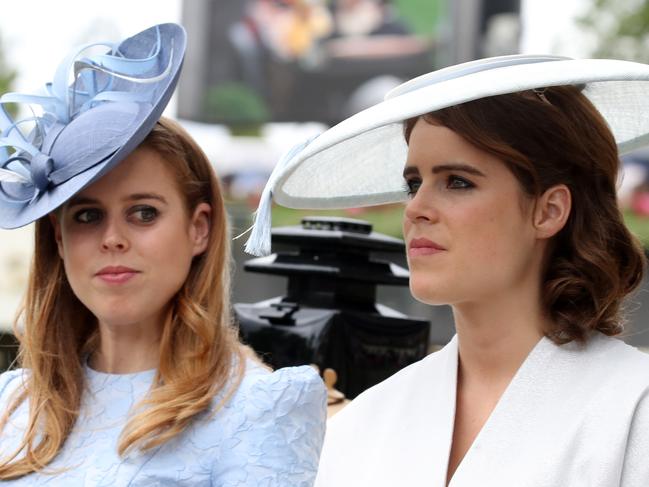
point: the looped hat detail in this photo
(88, 125)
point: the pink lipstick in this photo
(116, 274)
(423, 246)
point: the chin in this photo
(118, 320)
(119, 315)
(429, 293)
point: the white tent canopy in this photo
(234, 154)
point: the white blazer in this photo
(572, 416)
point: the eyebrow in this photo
(408, 170)
(82, 200)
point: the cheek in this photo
(489, 249)
(500, 257)
(496, 240)
(406, 224)
(79, 253)
(169, 255)
(79, 261)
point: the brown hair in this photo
(559, 137)
(200, 354)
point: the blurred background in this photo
(260, 75)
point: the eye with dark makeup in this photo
(138, 214)
(411, 185)
(458, 182)
(87, 216)
(144, 213)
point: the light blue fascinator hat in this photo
(360, 161)
(95, 112)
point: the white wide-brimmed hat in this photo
(359, 162)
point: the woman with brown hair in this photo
(509, 166)
(132, 373)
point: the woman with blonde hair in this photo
(507, 167)
(132, 373)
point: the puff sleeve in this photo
(277, 423)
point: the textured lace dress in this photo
(269, 434)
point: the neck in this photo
(127, 348)
(495, 336)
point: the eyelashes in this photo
(87, 216)
(410, 186)
(139, 214)
(452, 182)
(458, 182)
(146, 213)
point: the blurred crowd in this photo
(292, 29)
(633, 188)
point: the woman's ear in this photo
(552, 211)
(201, 224)
(54, 220)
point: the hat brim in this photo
(359, 162)
(130, 136)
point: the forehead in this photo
(143, 170)
(432, 144)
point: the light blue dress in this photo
(269, 434)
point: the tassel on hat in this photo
(258, 243)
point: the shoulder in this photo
(636, 468)
(282, 390)
(284, 401)
(433, 363)
(390, 397)
(600, 343)
(274, 428)
(389, 418)
(612, 360)
(304, 379)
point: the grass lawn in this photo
(384, 219)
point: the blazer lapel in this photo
(516, 404)
(428, 420)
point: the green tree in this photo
(424, 17)
(620, 29)
(237, 106)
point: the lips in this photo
(116, 274)
(423, 246)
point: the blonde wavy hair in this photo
(200, 353)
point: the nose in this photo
(421, 208)
(114, 238)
